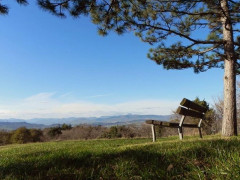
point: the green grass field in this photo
(210, 158)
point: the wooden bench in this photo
(186, 108)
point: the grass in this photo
(210, 158)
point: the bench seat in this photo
(170, 124)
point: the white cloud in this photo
(98, 95)
(48, 105)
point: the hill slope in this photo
(168, 158)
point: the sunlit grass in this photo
(169, 158)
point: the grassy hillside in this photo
(168, 158)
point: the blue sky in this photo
(51, 67)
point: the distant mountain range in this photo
(15, 125)
(11, 124)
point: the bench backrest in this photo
(189, 108)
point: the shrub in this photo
(66, 126)
(36, 135)
(5, 137)
(54, 131)
(113, 132)
(21, 135)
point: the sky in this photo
(54, 68)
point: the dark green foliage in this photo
(66, 127)
(36, 135)
(54, 131)
(127, 131)
(21, 135)
(5, 137)
(113, 132)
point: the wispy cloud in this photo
(98, 95)
(65, 95)
(49, 105)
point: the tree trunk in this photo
(229, 124)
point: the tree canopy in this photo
(156, 21)
(4, 8)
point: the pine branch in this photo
(4, 8)
(209, 49)
(182, 35)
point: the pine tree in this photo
(4, 8)
(157, 22)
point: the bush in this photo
(113, 132)
(21, 135)
(54, 131)
(5, 137)
(36, 135)
(66, 126)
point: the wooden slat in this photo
(162, 123)
(149, 121)
(189, 104)
(187, 112)
(190, 125)
(170, 124)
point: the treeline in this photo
(67, 132)
(20, 135)
(211, 125)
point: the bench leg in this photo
(180, 131)
(200, 132)
(153, 133)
